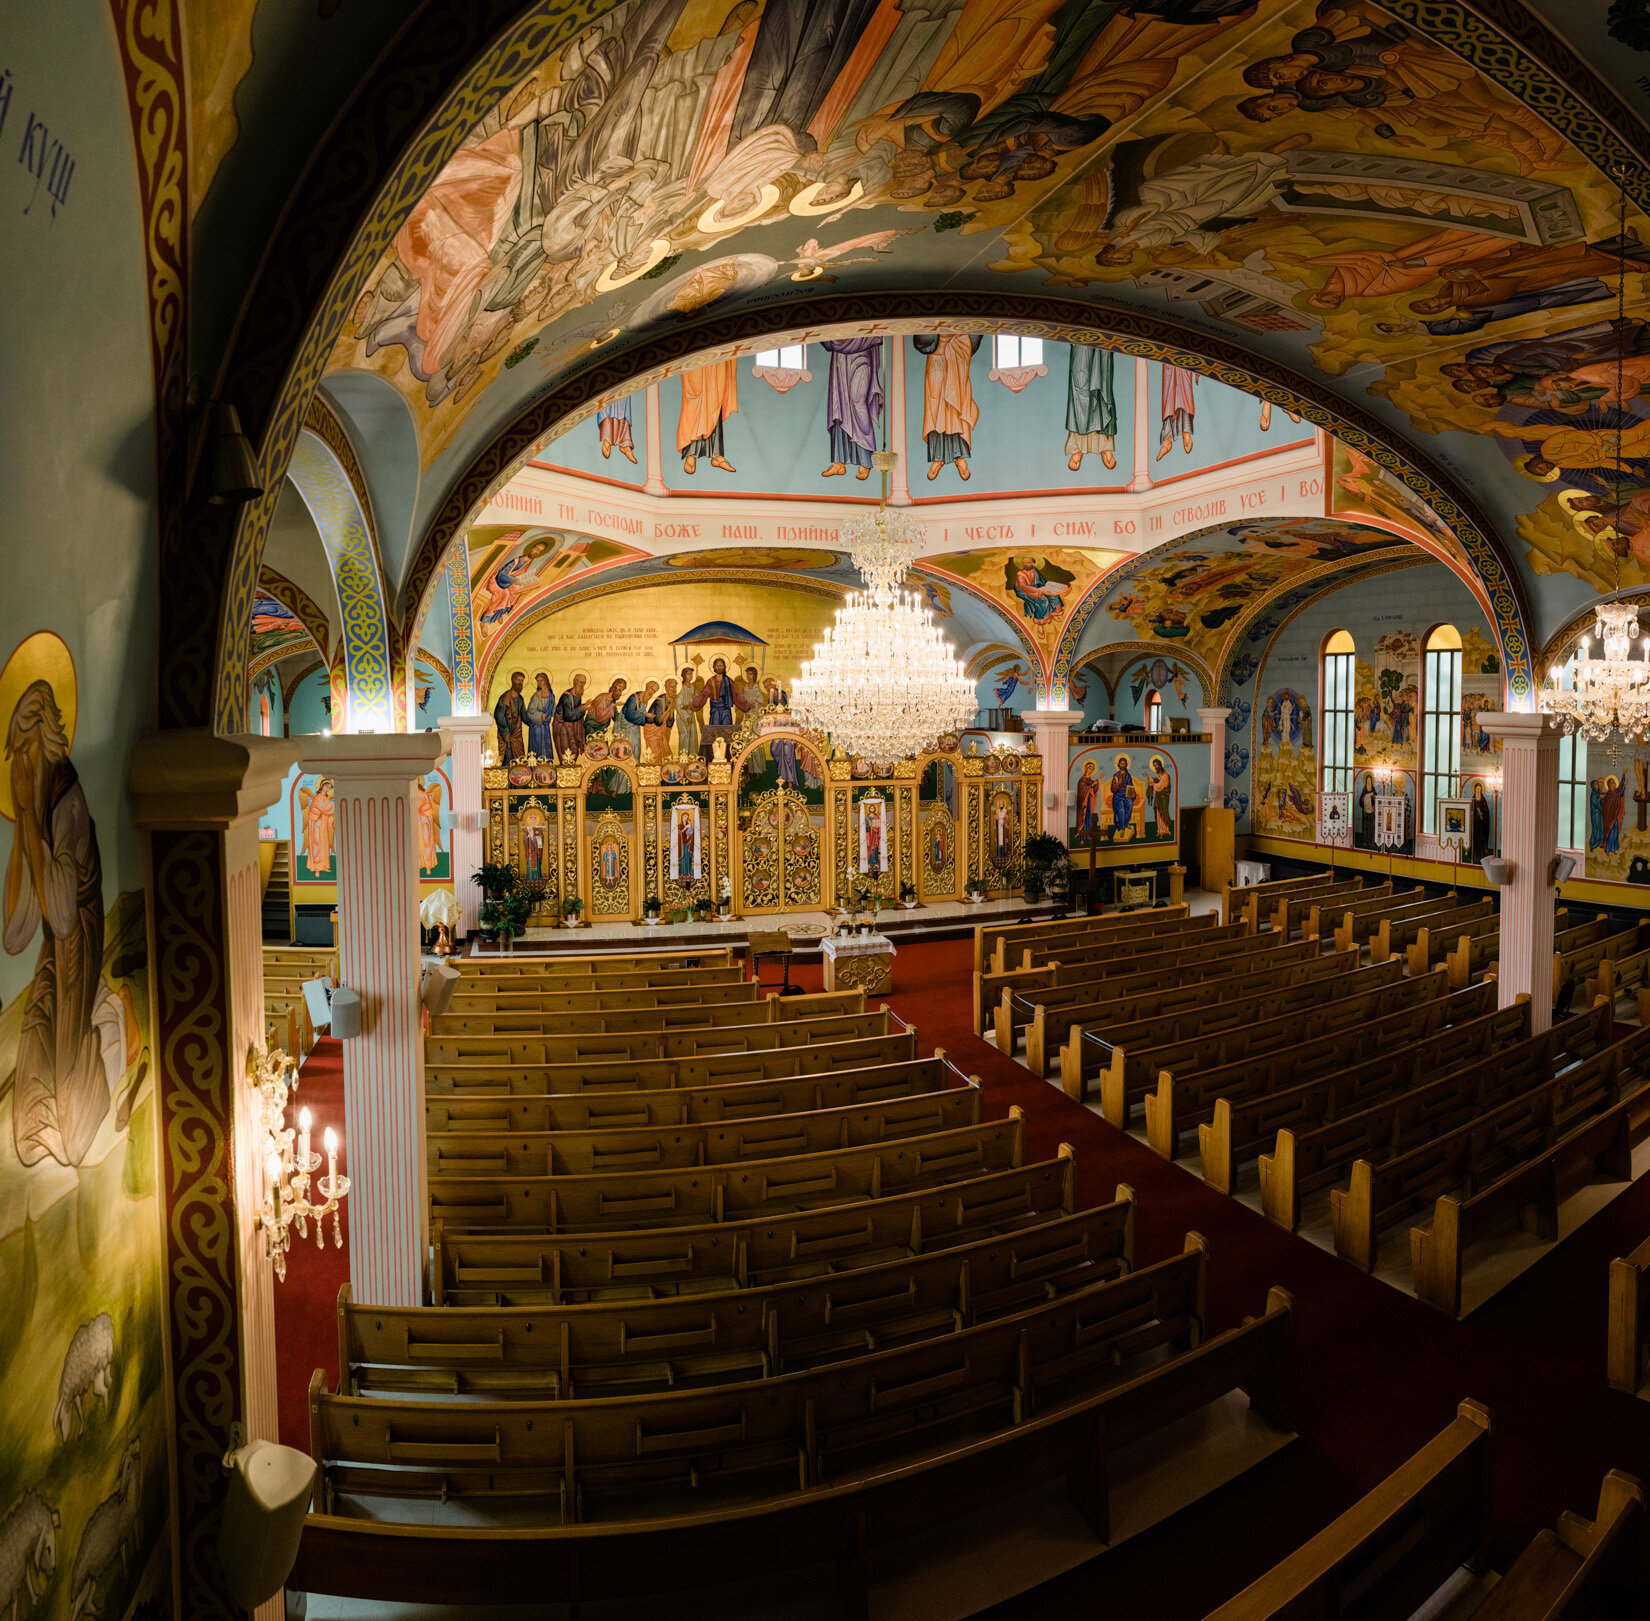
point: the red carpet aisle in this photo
(306, 1305)
(1378, 1372)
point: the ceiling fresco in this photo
(1324, 183)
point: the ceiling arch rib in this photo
(1255, 28)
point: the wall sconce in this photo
(230, 474)
(289, 1164)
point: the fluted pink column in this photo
(1213, 721)
(372, 778)
(469, 834)
(1052, 728)
(1529, 841)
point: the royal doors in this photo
(781, 865)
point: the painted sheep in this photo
(111, 1533)
(87, 1370)
(28, 1554)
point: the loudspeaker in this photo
(346, 1013)
(440, 981)
(263, 1518)
(318, 1000)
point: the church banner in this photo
(1453, 818)
(1390, 816)
(1335, 820)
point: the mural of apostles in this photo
(853, 403)
(949, 412)
(710, 395)
(510, 717)
(1179, 408)
(616, 431)
(1091, 405)
(1132, 802)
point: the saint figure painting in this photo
(948, 409)
(853, 403)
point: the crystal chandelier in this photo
(884, 683)
(289, 1165)
(1611, 692)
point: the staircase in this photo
(278, 896)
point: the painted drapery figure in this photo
(1091, 405)
(687, 718)
(633, 716)
(509, 715)
(538, 710)
(1124, 793)
(1039, 585)
(948, 409)
(719, 697)
(661, 718)
(1088, 799)
(853, 403)
(1179, 408)
(427, 811)
(567, 722)
(316, 807)
(602, 710)
(1480, 823)
(710, 395)
(1162, 790)
(614, 425)
(71, 1048)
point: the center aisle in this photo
(1378, 1372)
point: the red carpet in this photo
(1378, 1372)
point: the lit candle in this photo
(304, 1122)
(331, 1140)
(273, 1166)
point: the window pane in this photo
(767, 357)
(1031, 351)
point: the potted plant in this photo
(1042, 852)
(495, 879)
(650, 910)
(908, 895)
(570, 910)
(725, 906)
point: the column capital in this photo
(1519, 727)
(368, 757)
(193, 778)
(1213, 717)
(467, 725)
(1052, 719)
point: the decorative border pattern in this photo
(1138, 333)
(1146, 651)
(309, 612)
(464, 628)
(193, 1031)
(332, 502)
(322, 421)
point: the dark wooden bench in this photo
(553, 1020)
(535, 1268)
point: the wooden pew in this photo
(485, 1078)
(1299, 912)
(678, 1106)
(1055, 1010)
(1257, 904)
(718, 1014)
(1584, 1569)
(1195, 984)
(1081, 957)
(1628, 1334)
(718, 1193)
(1361, 921)
(607, 998)
(473, 985)
(1475, 953)
(1450, 1094)
(1393, 936)
(1382, 1193)
(840, 1506)
(1581, 1127)
(565, 1352)
(595, 962)
(1621, 976)
(1182, 1101)
(1127, 1075)
(1586, 962)
(996, 943)
(595, 1046)
(593, 1150)
(1384, 1557)
(1234, 896)
(528, 1268)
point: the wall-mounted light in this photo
(229, 475)
(289, 1165)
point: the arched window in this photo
(793, 357)
(1440, 722)
(1154, 710)
(1339, 674)
(1572, 779)
(1009, 349)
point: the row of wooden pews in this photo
(746, 1308)
(1395, 1551)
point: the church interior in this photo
(837, 808)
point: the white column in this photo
(1145, 441)
(1213, 721)
(1052, 728)
(899, 488)
(1529, 841)
(655, 484)
(372, 776)
(469, 835)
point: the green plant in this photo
(908, 892)
(572, 906)
(496, 879)
(650, 907)
(1042, 851)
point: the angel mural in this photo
(316, 810)
(427, 814)
(72, 1044)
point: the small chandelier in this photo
(1610, 692)
(884, 683)
(289, 1164)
